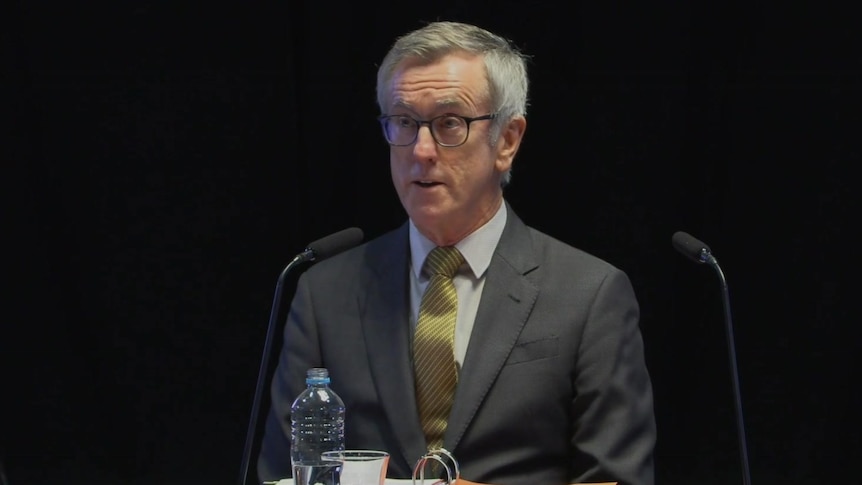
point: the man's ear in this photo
(509, 142)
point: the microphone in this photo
(690, 247)
(331, 245)
(315, 251)
(699, 252)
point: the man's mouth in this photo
(426, 183)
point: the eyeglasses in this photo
(447, 130)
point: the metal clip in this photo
(446, 461)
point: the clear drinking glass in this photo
(359, 467)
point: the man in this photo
(552, 387)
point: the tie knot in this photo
(443, 261)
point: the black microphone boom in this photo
(699, 252)
(315, 251)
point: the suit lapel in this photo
(507, 300)
(384, 315)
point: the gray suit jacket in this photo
(554, 388)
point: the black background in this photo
(166, 160)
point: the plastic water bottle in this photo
(317, 425)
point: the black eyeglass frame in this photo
(467, 119)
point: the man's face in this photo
(448, 192)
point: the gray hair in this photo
(505, 66)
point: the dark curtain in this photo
(165, 160)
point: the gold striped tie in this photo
(433, 345)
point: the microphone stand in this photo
(264, 361)
(734, 373)
(322, 248)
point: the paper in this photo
(389, 481)
(409, 481)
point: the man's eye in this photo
(402, 122)
(450, 122)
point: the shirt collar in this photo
(478, 247)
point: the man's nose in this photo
(425, 146)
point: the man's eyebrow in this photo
(448, 103)
(400, 103)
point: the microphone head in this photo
(336, 243)
(690, 247)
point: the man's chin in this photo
(430, 218)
